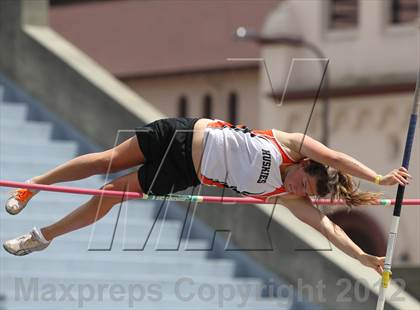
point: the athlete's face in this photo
(300, 183)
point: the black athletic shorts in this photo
(166, 145)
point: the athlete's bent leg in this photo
(94, 209)
(88, 213)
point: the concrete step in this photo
(94, 182)
(140, 225)
(59, 148)
(144, 265)
(131, 218)
(46, 203)
(36, 159)
(24, 142)
(252, 286)
(129, 257)
(154, 299)
(27, 167)
(26, 132)
(34, 167)
(117, 244)
(129, 215)
(205, 292)
(62, 251)
(58, 204)
(153, 248)
(9, 124)
(169, 230)
(127, 277)
(13, 123)
(53, 208)
(123, 226)
(112, 245)
(24, 170)
(46, 200)
(15, 111)
(88, 238)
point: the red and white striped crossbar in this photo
(185, 198)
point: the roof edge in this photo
(342, 92)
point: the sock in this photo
(40, 235)
(32, 190)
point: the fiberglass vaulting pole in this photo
(392, 237)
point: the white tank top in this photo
(247, 161)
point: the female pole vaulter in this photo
(177, 153)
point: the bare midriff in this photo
(197, 143)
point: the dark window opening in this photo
(362, 229)
(403, 11)
(182, 106)
(207, 106)
(343, 14)
(362, 240)
(233, 108)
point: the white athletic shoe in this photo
(18, 199)
(27, 243)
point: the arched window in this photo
(207, 106)
(182, 106)
(233, 108)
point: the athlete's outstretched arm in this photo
(305, 211)
(317, 151)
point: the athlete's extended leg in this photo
(86, 214)
(123, 156)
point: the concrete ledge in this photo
(93, 72)
(37, 112)
(64, 79)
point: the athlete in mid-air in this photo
(177, 153)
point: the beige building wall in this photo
(375, 50)
(166, 91)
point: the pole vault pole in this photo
(392, 237)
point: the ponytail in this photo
(339, 185)
(343, 187)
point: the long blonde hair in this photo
(338, 185)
